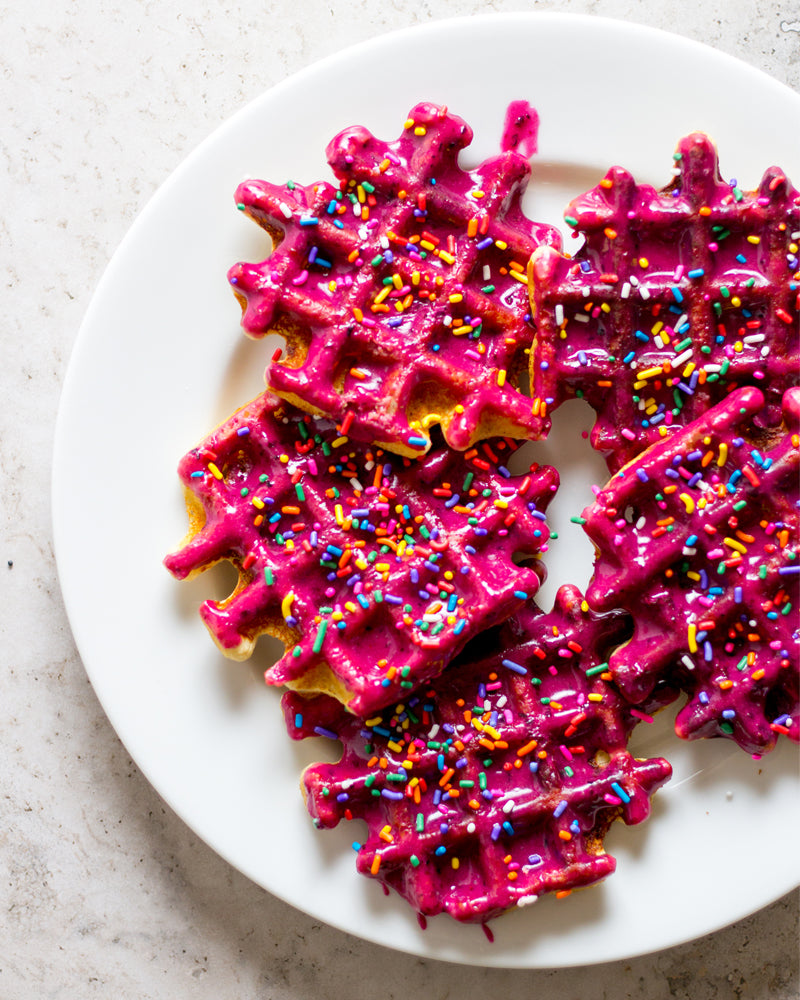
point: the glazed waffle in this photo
(699, 539)
(373, 569)
(496, 784)
(401, 293)
(676, 298)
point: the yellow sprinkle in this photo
(650, 372)
(448, 258)
(692, 637)
(456, 297)
(338, 511)
(383, 293)
(688, 502)
(339, 442)
(501, 377)
(501, 504)
(723, 454)
(733, 544)
(477, 193)
(753, 239)
(501, 244)
(214, 471)
(420, 130)
(286, 604)
(259, 503)
(595, 697)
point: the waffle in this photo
(676, 298)
(699, 539)
(498, 782)
(373, 569)
(402, 292)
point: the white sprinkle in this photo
(487, 272)
(581, 317)
(286, 212)
(626, 290)
(687, 662)
(356, 485)
(384, 241)
(640, 523)
(644, 292)
(683, 357)
(765, 350)
(755, 338)
(712, 369)
(559, 314)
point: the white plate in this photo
(160, 360)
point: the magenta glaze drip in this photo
(699, 538)
(676, 298)
(396, 289)
(500, 779)
(372, 568)
(521, 129)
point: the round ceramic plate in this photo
(160, 360)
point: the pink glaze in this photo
(699, 538)
(497, 783)
(406, 284)
(378, 566)
(521, 129)
(676, 298)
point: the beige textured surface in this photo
(105, 893)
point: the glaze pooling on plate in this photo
(401, 292)
(373, 569)
(498, 782)
(677, 297)
(699, 539)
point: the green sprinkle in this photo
(597, 670)
(269, 576)
(578, 520)
(414, 861)
(323, 628)
(298, 488)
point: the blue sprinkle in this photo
(559, 809)
(521, 595)
(516, 667)
(620, 791)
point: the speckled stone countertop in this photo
(105, 892)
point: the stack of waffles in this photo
(366, 501)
